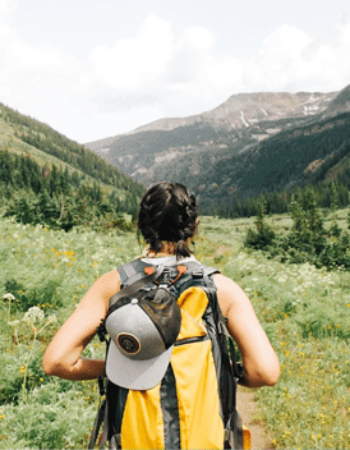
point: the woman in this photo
(167, 221)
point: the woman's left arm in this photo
(63, 356)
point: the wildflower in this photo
(2, 417)
(9, 296)
(33, 315)
(52, 319)
(22, 369)
(14, 324)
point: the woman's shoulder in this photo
(229, 293)
(109, 283)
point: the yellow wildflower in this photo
(22, 369)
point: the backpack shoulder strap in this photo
(136, 284)
(131, 272)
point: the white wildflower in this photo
(8, 296)
(34, 314)
(52, 319)
(14, 324)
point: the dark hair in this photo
(168, 212)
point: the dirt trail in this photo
(246, 407)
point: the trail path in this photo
(246, 407)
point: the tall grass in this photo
(305, 312)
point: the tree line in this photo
(278, 202)
(307, 240)
(56, 198)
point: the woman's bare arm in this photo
(260, 362)
(63, 356)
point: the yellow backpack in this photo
(194, 404)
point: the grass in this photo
(305, 312)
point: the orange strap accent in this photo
(181, 270)
(149, 270)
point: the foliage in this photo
(57, 199)
(308, 240)
(264, 236)
(332, 195)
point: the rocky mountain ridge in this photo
(206, 149)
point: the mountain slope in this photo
(20, 134)
(251, 143)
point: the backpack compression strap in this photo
(231, 372)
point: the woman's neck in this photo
(167, 249)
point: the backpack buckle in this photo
(198, 273)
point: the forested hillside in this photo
(47, 178)
(283, 166)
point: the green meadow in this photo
(304, 310)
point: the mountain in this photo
(250, 143)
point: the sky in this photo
(92, 69)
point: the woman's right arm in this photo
(260, 362)
(63, 356)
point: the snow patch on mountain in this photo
(243, 119)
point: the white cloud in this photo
(157, 73)
(185, 74)
(156, 68)
(289, 60)
(28, 71)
